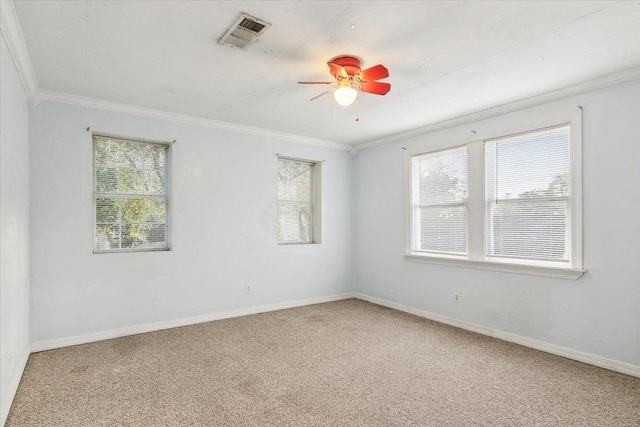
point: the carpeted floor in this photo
(348, 363)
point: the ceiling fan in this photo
(350, 79)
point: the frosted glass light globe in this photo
(345, 95)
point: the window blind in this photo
(528, 195)
(295, 201)
(130, 194)
(439, 201)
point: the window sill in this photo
(559, 273)
(298, 243)
(126, 251)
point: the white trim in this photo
(580, 356)
(118, 195)
(589, 86)
(167, 324)
(476, 201)
(115, 107)
(599, 361)
(575, 178)
(10, 27)
(531, 270)
(14, 382)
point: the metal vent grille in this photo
(244, 31)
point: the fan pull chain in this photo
(357, 110)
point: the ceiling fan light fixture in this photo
(350, 80)
(345, 95)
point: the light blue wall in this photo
(14, 229)
(598, 314)
(222, 223)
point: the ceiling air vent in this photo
(244, 31)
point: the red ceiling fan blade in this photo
(323, 93)
(337, 70)
(376, 72)
(316, 83)
(375, 88)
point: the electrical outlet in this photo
(456, 297)
(249, 288)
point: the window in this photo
(508, 201)
(440, 202)
(130, 195)
(298, 201)
(528, 195)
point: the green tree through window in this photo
(130, 194)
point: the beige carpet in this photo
(348, 363)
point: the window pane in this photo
(533, 165)
(294, 223)
(439, 196)
(105, 152)
(155, 182)
(105, 180)
(443, 177)
(132, 210)
(132, 155)
(140, 235)
(132, 236)
(154, 210)
(294, 180)
(107, 210)
(530, 229)
(528, 189)
(155, 157)
(129, 167)
(130, 181)
(155, 235)
(143, 223)
(295, 196)
(443, 229)
(107, 236)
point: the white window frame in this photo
(316, 197)
(476, 221)
(96, 195)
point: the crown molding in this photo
(589, 86)
(115, 107)
(10, 27)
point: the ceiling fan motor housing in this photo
(351, 64)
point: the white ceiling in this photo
(445, 59)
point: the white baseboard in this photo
(157, 326)
(14, 382)
(601, 362)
